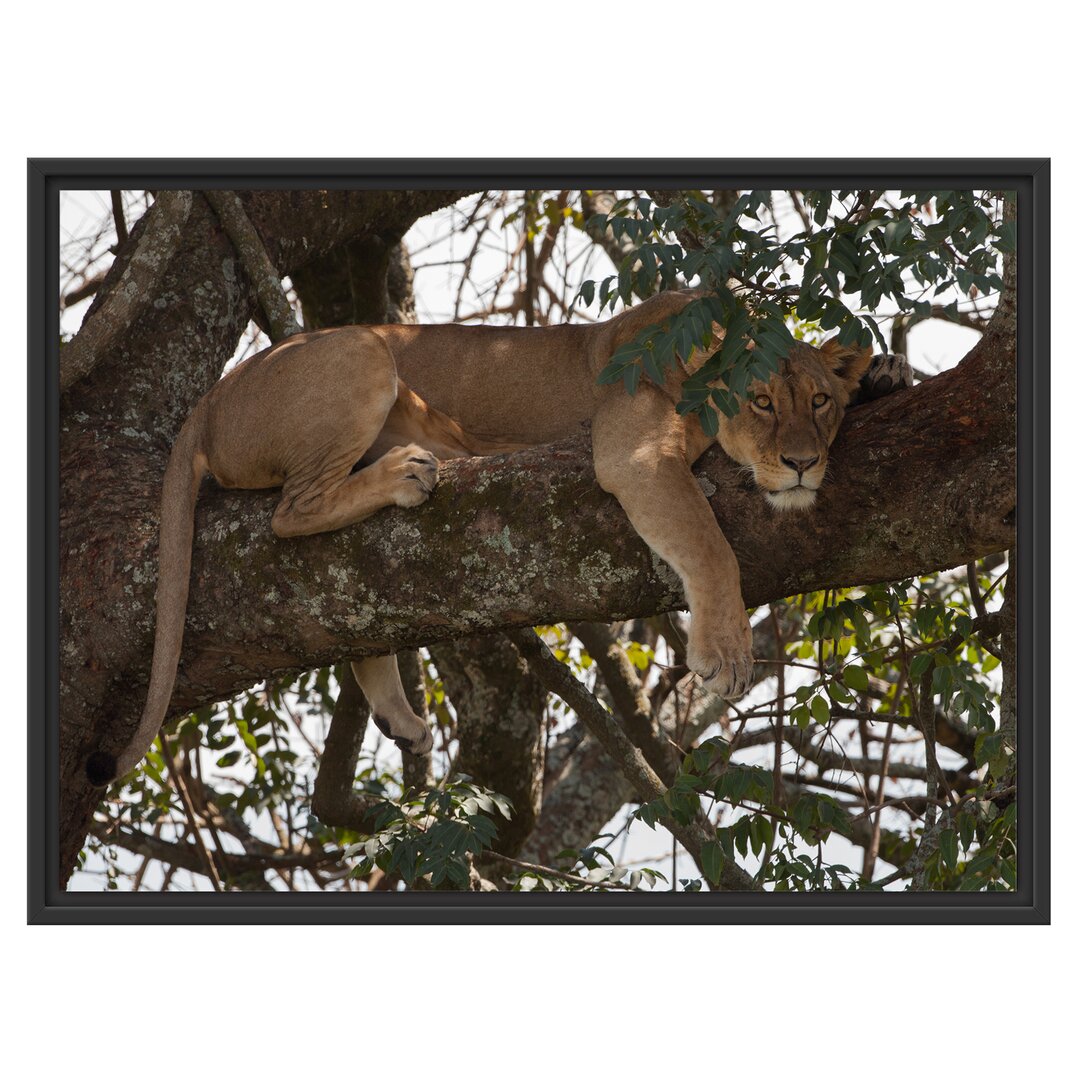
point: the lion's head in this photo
(783, 432)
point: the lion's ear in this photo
(850, 362)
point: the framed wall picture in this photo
(539, 541)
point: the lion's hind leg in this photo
(378, 677)
(341, 391)
(403, 476)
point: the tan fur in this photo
(793, 430)
(301, 414)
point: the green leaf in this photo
(949, 851)
(839, 693)
(844, 255)
(987, 747)
(819, 708)
(761, 833)
(942, 680)
(741, 830)
(896, 233)
(856, 678)
(919, 665)
(712, 861)
(966, 828)
(709, 422)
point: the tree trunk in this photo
(500, 709)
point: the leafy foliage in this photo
(876, 652)
(859, 252)
(431, 834)
(598, 872)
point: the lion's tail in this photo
(180, 489)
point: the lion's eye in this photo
(820, 399)
(762, 401)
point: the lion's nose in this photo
(800, 465)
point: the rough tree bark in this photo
(922, 480)
(500, 710)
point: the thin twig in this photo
(778, 746)
(118, 218)
(189, 810)
(78, 293)
(977, 601)
(934, 775)
(195, 772)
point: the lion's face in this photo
(783, 432)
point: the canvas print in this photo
(564, 542)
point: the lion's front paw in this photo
(412, 473)
(888, 372)
(724, 661)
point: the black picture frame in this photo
(47, 903)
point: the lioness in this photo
(302, 414)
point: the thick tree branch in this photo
(920, 481)
(500, 726)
